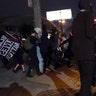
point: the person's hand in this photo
(59, 49)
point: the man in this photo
(83, 45)
(34, 64)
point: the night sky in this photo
(50, 5)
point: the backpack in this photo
(27, 44)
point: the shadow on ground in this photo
(62, 88)
(14, 90)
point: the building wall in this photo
(94, 7)
(14, 8)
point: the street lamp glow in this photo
(62, 21)
(94, 20)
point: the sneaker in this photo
(24, 71)
(39, 74)
(15, 71)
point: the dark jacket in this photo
(83, 36)
(33, 52)
(44, 42)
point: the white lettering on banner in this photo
(12, 50)
(3, 51)
(2, 40)
(7, 47)
(16, 45)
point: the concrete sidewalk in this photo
(37, 85)
(63, 81)
(7, 77)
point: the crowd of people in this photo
(51, 48)
(42, 51)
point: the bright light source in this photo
(59, 14)
(62, 21)
(94, 20)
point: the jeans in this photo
(40, 58)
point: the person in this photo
(33, 55)
(63, 47)
(39, 55)
(5, 58)
(54, 45)
(40, 58)
(83, 46)
(67, 44)
(44, 45)
(19, 57)
(94, 78)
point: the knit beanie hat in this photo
(38, 31)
